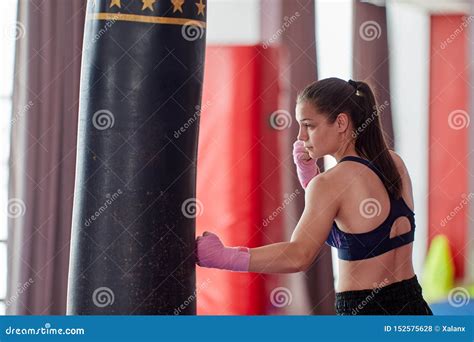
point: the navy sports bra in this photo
(367, 245)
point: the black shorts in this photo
(400, 298)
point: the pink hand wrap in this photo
(212, 253)
(306, 167)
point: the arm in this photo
(284, 257)
(308, 237)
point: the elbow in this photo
(303, 267)
(295, 268)
(305, 260)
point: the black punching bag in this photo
(133, 229)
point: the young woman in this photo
(363, 206)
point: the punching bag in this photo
(133, 228)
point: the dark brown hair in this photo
(332, 96)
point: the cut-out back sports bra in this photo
(358, 246)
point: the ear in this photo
(342, 122)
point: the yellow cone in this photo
(438, 275)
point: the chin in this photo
(313, 154)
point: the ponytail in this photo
(370, 140)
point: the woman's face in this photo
(320, 137)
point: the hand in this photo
(306, 168)
(212, 253)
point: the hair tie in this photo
(353, 83)
(356, 87)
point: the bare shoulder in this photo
(323, 190)
(332, 182)
(321, 181)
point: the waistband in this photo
(408, 288)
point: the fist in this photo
(209, 250)
(306, 167)
(212, 253)
(300, 153)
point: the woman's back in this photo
(364, 205)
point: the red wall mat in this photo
(448, 155)
(237, 174)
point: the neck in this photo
(344, 152)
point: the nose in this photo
(302, 134)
